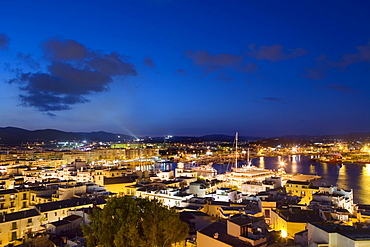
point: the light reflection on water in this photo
(262, 162)
(344, 176)
(364, 182)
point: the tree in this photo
(126, 221)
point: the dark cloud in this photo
(222, 64)
(274, 53)
(181, 71)
(74, 72)
(251, 67)
(272, 98)
(225, 64)
(64, 50)
(314, 73)
(323, 64)
(215, 62)
(338, 87)
(4, 41)
(223, 76)
(112, 65)
(29, 60)
(49, 114)
(362, 55)
(148, 62)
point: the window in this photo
(24, 196)
(24, 204)
(29, 222)
(14, 236)
(243, 231)
(267, 213)
(14, 225)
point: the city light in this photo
(284, 233)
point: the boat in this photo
(208, 169)
(249, 172)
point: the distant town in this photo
(52, 181)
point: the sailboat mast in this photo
(248, 162)
(236, 150)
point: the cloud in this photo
(362, 55)
(251, 67)
(29, 60)
(223, 76)
(314, 73)
(181, 72)
(49, 114)
(338, 87)
(225, 64)
(64, 50)
(216, 62)
(272, 98)
(148, 62)
(274, 53)
(4, 41)
(323, 64)
(73, 73)
(221, 64)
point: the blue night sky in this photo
(162, 67)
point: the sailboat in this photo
(248, 172)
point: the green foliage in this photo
(130, 222)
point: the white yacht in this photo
(207, 170)
(240, 175)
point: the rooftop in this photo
(60, 223)
(351, 232)
(19, 215)
(50, 206)
(220, 229)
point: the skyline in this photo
(154, 68)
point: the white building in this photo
(330, 195)
(14, 225)
(226, 195)
(330, 235)
(171, 197)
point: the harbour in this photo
(345, 176)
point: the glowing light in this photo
(282, 163)
(284, 233)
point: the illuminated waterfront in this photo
(345, 176)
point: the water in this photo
(344, 176)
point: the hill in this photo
(17, 136)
